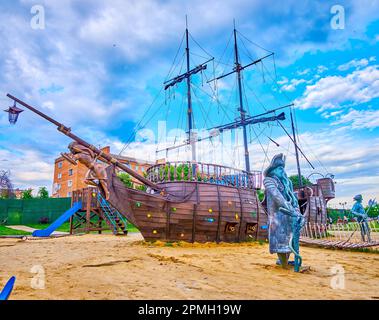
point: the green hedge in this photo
(30, 211)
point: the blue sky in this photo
(98, 65)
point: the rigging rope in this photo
(173, 62)
(138, 126)
(253, 43)
(193, 39)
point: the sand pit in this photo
(109, 267)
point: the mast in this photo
(238, 69)
(296, 152)
(187, 76)
(189, 98)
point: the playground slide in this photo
(4, 295)
(57, 223)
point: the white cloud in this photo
(321, 69)
(291, 86)
(360, 119)
(283, 80)
(353, 64)
(334, 91)
(328, 115)
(303, 72)
(30, 169)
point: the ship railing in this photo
(205, 173)
(342, 233)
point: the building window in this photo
(69, 194)
(60, 164)
(136, 168)
(59, 175)
(69, 183)
(57, 187)
(70, 172)
(143, 169)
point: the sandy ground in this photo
(109, 267)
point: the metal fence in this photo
(31, 211)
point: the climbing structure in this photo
(340, 235)
(96, 214)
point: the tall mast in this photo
(187, 76)
(189, 98)
(296, 152)
(242, 111)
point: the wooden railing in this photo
(204, 172)
(88, 197)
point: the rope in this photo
(193, 39)
(253, 43)
(176, 55)
(138, 126)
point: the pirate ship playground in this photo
(186, 200)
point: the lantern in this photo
(13, 113)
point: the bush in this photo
(295, 181)
(141, 187)
(43, 193)
(27, 194)
(126, 179)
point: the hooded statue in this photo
(283, 208)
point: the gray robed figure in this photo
(358, 211)
(282, 207)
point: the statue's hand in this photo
(290, 211)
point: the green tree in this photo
(126, 179)
(43, 193)
(27, 194)
(374, 211)
(295, 181)
(4, 194)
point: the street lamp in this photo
(343, 204)
(13, 113)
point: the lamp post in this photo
(13, 113)
(343, 204)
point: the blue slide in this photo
(57, 223)
(4, 295)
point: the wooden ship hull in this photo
(191, 211)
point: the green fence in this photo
(30, 211)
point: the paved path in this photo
(29, 229)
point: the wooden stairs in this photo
(112, 217)
(96, 214)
